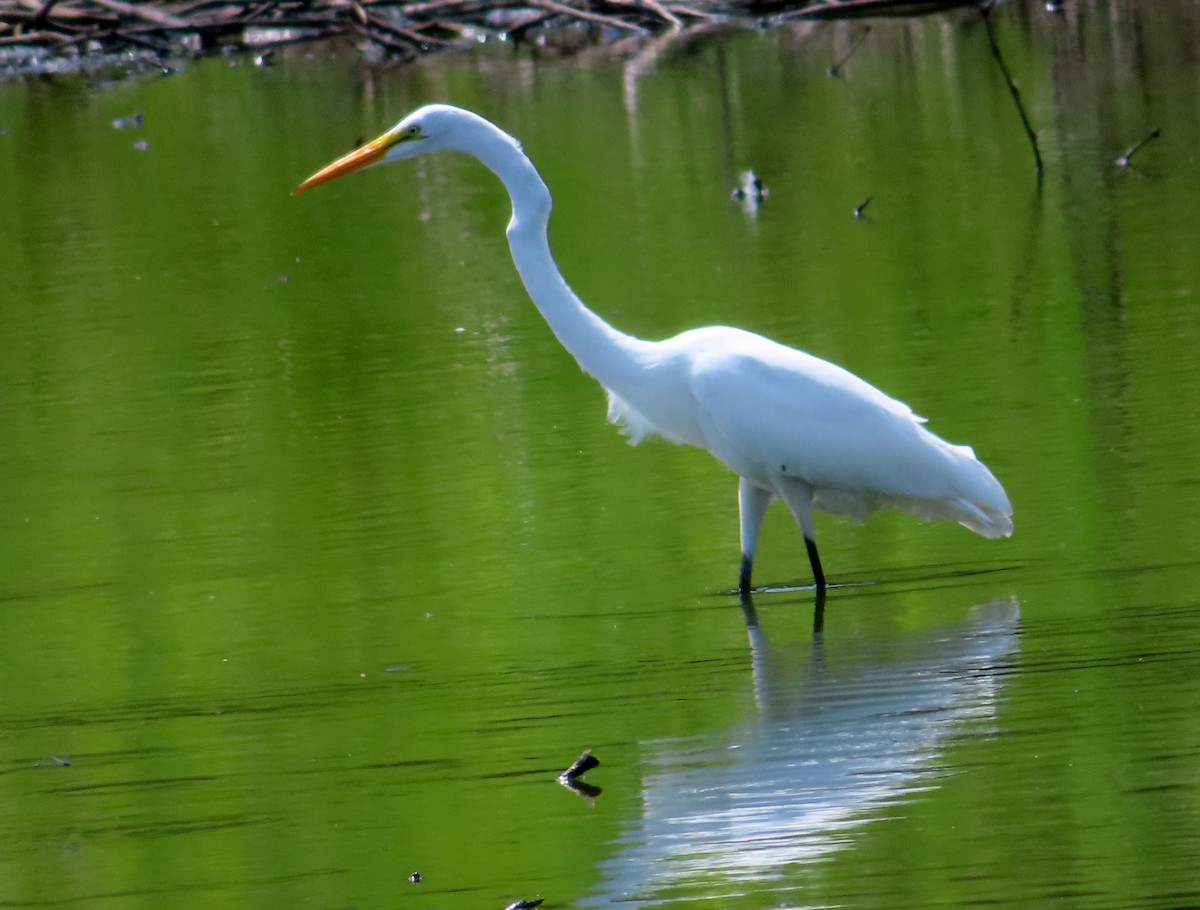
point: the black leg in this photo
(744, 575)
(748, 611)
(819, 614)
(813, 558)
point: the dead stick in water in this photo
(585, 763)
(1123, 161)
(985, 12)
(836, 69)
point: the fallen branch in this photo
(656, 8)
(562, 8)
(143, 11)
(171, 28)
(856, 9)
(417, 39)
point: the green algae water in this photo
(318, 561)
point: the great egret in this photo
(788, 424)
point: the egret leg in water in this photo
(790, 425)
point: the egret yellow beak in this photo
(363, 156)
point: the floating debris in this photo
(985, 14)
(750, 193)
(1124, 160)
(751, 187)
(836, 70)
(133, 122)
(582, 765)
(582, 788)
(572, 777)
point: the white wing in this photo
(771, 412)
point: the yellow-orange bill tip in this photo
(363, 156)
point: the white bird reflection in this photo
(838, 737)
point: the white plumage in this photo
(790, 425)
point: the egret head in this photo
(427, 129)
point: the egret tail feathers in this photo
(985, 522)
(971, 496)
(981, 518)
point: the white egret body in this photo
(788, 424)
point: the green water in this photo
(318, 560)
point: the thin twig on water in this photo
(836, 69)
(1124, 160)
(985, 13)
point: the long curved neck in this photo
(602, 351)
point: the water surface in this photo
(318, 561)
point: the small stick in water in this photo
(985, 12)
(836, 69)
(751, 187)
(133, 122)
(860, 209)
(1124, 160)
(571, 778)
(581, 766)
